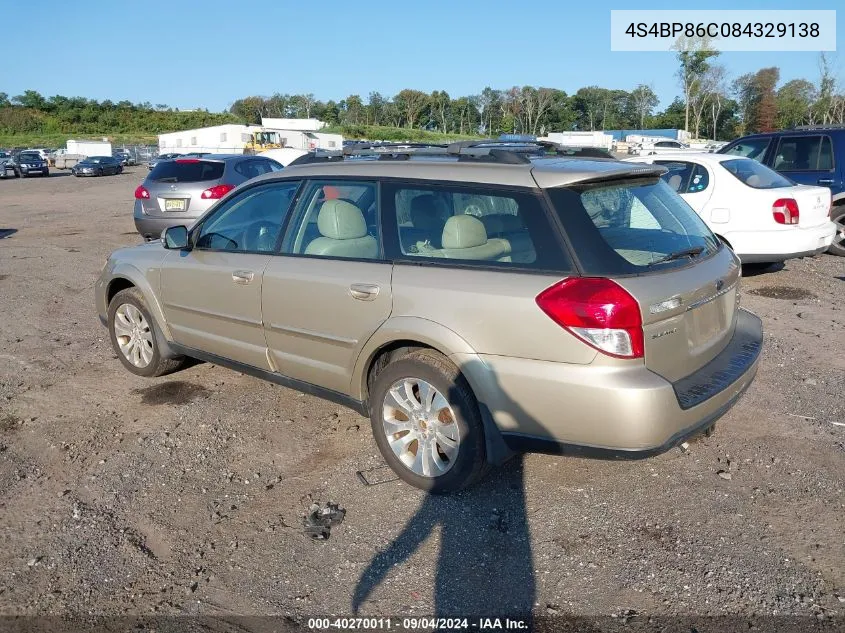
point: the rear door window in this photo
(470, 225)
(684, 176)
(187, 170)
(632, 227)
(804, 153)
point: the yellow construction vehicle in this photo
(263, 140)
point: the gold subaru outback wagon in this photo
(474, 301)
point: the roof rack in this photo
(482, 150)
(827, 126)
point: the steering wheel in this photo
(218, 241)
(261, 236)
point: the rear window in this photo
(187, 171)
(751, 173)
(631, 227)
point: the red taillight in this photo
(785, 211)
(599, 312)
(187, 160)
(141, 193)
(216, 192)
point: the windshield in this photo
(30, 156)
(631, 227)
(756, 175)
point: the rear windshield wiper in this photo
(686, 252)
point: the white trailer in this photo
(218, 139)
(309, 140)
(89, 148)
(234, 139)
(581, 139)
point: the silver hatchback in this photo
(177, 192)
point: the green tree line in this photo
(32, 113)
(711, 104)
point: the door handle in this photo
(364, 292)
(825, 181)
(242, 276)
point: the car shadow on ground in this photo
(4, 233)
(484, 564)
(753, 270)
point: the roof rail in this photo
(826, 126)
(481, 150)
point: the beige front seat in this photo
(464, 237)
(343, 232)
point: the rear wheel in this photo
(426, 423)
(838, 218)
(134, 337)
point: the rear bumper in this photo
(777, 246)
(150, 227)
(628, 412)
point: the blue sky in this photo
(190, 54)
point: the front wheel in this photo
(426, 423)
(838, 218)
(134, 338)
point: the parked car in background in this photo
(8, 166)
(97, 166)
(161, 157)
(809, 155)
(31, 163)
(126, 159)
(649, 148)
(180, 190)
(763, 216)
(440, 295)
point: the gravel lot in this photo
(185, 494)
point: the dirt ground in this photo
(185, 494)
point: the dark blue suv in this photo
(809, 155)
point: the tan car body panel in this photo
(140, 266)
(314, 326)
(681, 340)
(226, 322)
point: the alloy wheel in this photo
(134, 336)
(420, 426)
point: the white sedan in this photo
(763, 216)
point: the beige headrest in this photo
(341, 220)
(464, 231)
(675, 181)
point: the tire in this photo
(45, 173)
(467, 461)
(100, 171)
(838, 245)
(125, 307)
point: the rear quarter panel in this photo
(494, 311)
